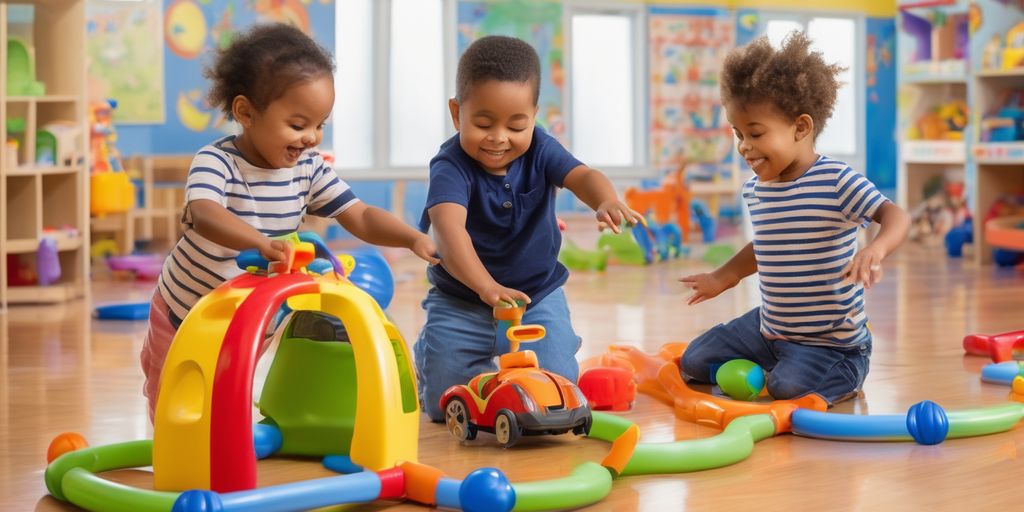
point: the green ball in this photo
(741, 379)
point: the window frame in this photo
(637, 14)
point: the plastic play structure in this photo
(342, 387)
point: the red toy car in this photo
(519, 399)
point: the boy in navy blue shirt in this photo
(491, 203)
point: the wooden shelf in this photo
(59, 292)
(933, 151)
(1001, 73)
(34, 197)
(50, 98)
(999, 153)
(30, 245)
(32, 170)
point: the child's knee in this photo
(780, 387)
(695, 367)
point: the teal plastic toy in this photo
(741, 379)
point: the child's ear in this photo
(804, 126)
(242, 110)
(453, 107)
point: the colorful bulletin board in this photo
(880, 110)
(687, 48)
(538, 22)
(124, 53)
(192, 30)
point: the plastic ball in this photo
(741, 379)
(64, 443)
(373, 274)
(927, 423)
(198, 500)
(486, 489)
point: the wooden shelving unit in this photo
(157, 219)
(930, 73)
(995, 169)
(45, 200)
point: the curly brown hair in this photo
(794, 79)
(262, 63)
(501, 58)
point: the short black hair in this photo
(794, 79)
(262, 63)
(501, 58)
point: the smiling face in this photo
(275, 137)
(495, 122)
(774, 146)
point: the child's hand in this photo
(425, 248)
(274, 250)
(496, 293)
(866, 266)
(705, 286)
(610, 214)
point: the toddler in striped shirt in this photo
(810, 333)
(245, 189)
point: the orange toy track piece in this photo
(421, 482)
(658, 376)
(622, 450)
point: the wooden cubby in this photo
(44, 200)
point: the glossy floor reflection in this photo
(62, 370)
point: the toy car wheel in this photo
(584, 429)
(506, 428)
(456, 417)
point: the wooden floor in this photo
(61, 370)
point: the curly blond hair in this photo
(794, 79)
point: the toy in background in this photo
(21, 70)
(1007, 123)
(943, 209)
(940, 41)
(998, 54)
(111, 190)
(944, 122)
(666, 202)
(1004, 230)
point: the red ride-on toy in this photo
(519, 399)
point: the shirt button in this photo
(507, 204)
(508, 186)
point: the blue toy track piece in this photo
(128, 311)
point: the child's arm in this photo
(894, 223)
(459, 257)
(376, 226)
(709, 285)
(597, 192)
(218, 225)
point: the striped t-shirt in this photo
(805, 235)
(274, 201)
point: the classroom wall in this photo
(193, 27)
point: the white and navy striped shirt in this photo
(274, 201)
(805, 234)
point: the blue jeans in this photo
(795, 369)
(458, 343)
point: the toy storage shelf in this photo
(38, 196)
(934, 152)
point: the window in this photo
(417, 102)
(390, 112)
(353, 85)
(606, 62)
(837, 38)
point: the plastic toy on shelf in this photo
(111, 190)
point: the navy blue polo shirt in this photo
(510, 219)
